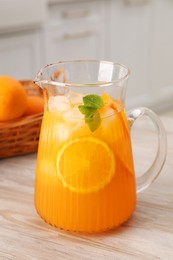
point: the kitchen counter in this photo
(148, 234)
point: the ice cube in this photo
(59, 103)
(73, 113)
(75, 97)
(107, 113)
(62, 132)
(74, 119)
(107, 117)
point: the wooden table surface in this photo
(148, 234)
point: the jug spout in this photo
(38, 79)
(51, 79)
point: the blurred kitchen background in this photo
(137, 33)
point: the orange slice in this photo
(116, 105)
(109, 102)
(85, 164)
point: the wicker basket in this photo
(20, 136)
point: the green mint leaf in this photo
(93, 101)
(86, 110)
(93, 120)
(90, 109)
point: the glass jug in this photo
(85, 178)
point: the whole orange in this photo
(35, 105)
(13, 98)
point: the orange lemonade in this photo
(85, 175)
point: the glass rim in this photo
(64, 84)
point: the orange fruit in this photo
(85, 164)
(35, 104)
(13, 98)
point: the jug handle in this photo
(153, 172)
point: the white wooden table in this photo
(147, 235)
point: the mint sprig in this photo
(92, 103)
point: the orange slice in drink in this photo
(85, 164)
(110, 103)
(114, 104)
